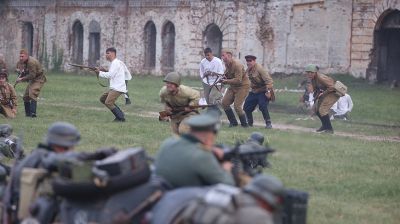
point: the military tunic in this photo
(184, 162)
(329, 96)
(261, 81)
(35, 76)
(239, 86)
(186, 96)
(8, 101)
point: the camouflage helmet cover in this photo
(173, 77)
(5, 130)
(62, 134)
(267, 187)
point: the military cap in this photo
(311, 68)
(173, 77)
(62, 134)
(24, 51)
(5, 130)
(3, 72)
(227, 50)
(207, 121)
(250, 57)
(267, 187)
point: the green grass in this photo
(349, 180)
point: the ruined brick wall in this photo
(285, 35)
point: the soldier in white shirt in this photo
(128, 77)
(342, 107)
(116, 75)
(210, 68)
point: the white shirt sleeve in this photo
(350, 103)
(116, 75)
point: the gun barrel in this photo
(82, 66)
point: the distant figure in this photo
(210, 68)
(128, 77)
(2, 62)
(8, 96)
(342, 108)
(307, 100)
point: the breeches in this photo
(178, 123)
(325, 102)
(32, 91)
(7, 111)
(254, 99)
(237, 97)
(108, 98)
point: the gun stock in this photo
(163, 115)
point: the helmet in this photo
(268, 188)
(173, 77)
(3, 72)
(311, 68)
(257, 137)
(62, 134)
(5, 130)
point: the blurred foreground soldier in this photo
(238, 90)
(60, 138)
(256, 137)
(8, 96)
(178, 99)
(261, 91)
(30, 70)
(210, 68)
(257, 203)
(7, 141)
(325, 94)
(189, 160)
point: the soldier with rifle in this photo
(8, 96)
(179, 102)
(30, 70)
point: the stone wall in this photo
(283, 34)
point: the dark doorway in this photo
(213, 39)
(94, 43)
(387, 41)
(168, 47)
(150, 45)
(77, 42)
(27, 37)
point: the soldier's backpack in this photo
(340, 88)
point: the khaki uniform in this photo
(186, 96)
(260, 79)
(239, 86)
(8, 100)
(329, 96)
(35, 76)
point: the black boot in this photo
(119, 115)
(127, 101)
(327, 123)
(267, 118)
(322, 128)
(33, 108)
(27, 109)
(243, 121)
(231, 117)
(250, 120)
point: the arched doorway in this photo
(387, 46)
(77, 42)
(94, 43)
(150, 45)
(212, 38)
(168, 47)
(27, 37)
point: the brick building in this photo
(361, 37)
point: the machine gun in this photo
(165, 114)
(91, 69)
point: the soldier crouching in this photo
(8, 96)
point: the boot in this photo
(268, 124)
(231, 117)
(119, 115)
(322, 128)
(327, 124)
(267, 118)
(243, 121)
(33, 108)
(27, 106)
(250, 120)
(127, 101)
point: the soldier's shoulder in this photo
(163, 91)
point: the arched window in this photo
(150, 45)
(77, 42)
(27, 37)
(213, 39)
(387, 45)
(168, 47)
(94, 43)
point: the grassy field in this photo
(349, 180)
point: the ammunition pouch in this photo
(340, 88)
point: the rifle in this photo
(219, 79)
(92, 69)
(175, 110)
(21, 74)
